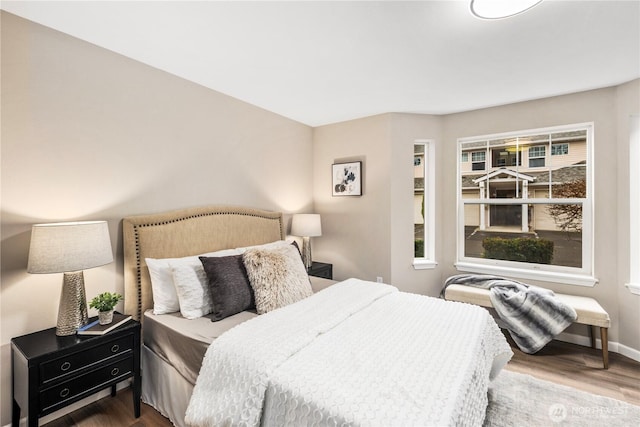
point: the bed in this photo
(353, 352)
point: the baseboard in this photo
(614, 347)
(74, 406)
(631, 353)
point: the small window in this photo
(465, 157)
(559, 149)
(478, 160)
(537, 156)
(423, 205)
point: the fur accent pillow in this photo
(277, 276)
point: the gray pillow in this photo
(231, 292)
(277, 276)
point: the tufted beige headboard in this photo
(187, 232)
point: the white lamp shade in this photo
(306, 225)
(69, 246)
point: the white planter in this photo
(105, 317)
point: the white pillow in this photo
(192, 287)
(165, 296)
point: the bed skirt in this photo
(166, 390)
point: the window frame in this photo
(428, 261)
(634, 205)
(583, 276)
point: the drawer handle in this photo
(65, 366)
(115, 372)
(64, 392)
(115, 348)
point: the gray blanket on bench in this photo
(533, 316)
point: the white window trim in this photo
(428, 261)
(549, 273)
(634, 206)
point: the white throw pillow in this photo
(192, 287)
(165, 298)
(163, 289)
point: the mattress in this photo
(183, 342)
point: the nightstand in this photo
(321, 269)
(51, 372)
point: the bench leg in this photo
(592, 335)
(605, 347)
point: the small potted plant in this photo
(104, 303)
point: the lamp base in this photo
(306, 252)
(72, 312)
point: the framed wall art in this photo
(347, 179)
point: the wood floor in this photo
(562, 363)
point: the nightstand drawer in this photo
(54, 369)
(84, 384)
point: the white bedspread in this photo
(360, 353)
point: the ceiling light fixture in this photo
(497, 9)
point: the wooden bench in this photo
(588, 310)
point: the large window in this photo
(532, 218)
(423, 201)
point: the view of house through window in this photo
(525, 199)
(418, 199)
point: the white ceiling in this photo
(324, 62)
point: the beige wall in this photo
(372, 236)
(405, 130)
(627, 105)
(89, 134)
(355, 230)
(358, 245)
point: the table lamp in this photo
(306, 226)
(69, 248)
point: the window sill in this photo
(634, 288)
(424, 264)
(544, 276)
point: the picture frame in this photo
(346, 179)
